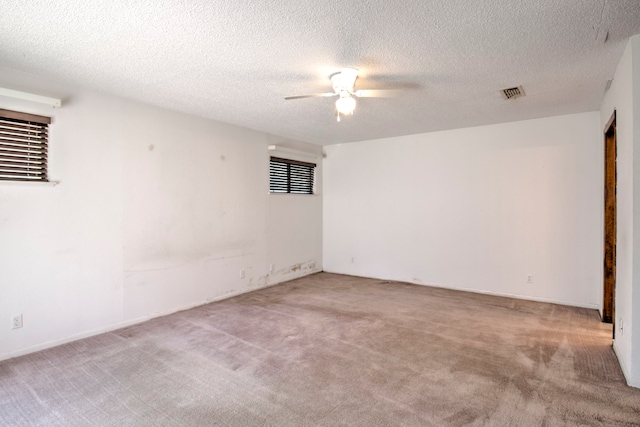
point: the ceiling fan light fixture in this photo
(346, 105)
(342, 83)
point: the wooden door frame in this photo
(610, 218)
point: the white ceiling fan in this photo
(343, 83)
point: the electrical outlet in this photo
(16, 321)
(353, 260)
(242, 273)
(529, 279)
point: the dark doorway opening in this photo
(610, 181)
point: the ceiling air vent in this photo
(512, 92)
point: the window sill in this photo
(29, 183)
(293, 194)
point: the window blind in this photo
(23, 146)
(291, 176)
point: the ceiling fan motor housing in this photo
(344, 80)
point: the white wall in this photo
(155, 211)
(477, 209)
(624, 98)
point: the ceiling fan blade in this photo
(377, 93)
(315, 95)
(348, 77)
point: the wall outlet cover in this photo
(16, 321)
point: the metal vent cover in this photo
(512, 92)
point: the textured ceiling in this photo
(235, 60)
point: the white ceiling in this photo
(235, 60)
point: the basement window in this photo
(291, 176)
(23, 146)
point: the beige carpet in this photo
(331, 350)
